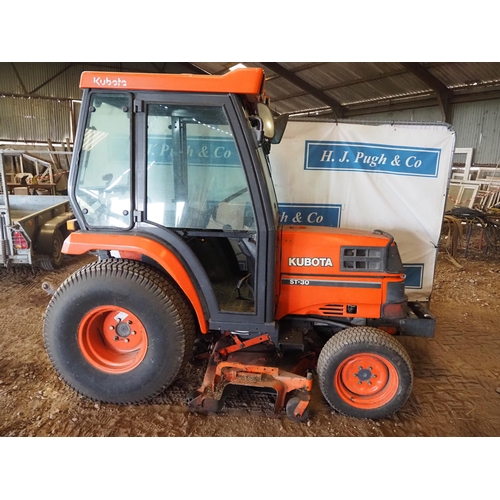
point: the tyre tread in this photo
(151, 280)
(357, 336)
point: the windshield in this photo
(195, 175)
(103, 188)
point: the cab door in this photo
(200, 189)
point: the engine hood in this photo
(313, 249)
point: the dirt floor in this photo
(456, 389)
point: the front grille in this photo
(332, 310)
(362, 259)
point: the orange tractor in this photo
(172, 189)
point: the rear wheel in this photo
(56, 258)
(118, 332)
(365, 373)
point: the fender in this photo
(46, 234)
(79, 243)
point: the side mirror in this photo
(280, 123)
(267, 118)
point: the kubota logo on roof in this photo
(108, 82)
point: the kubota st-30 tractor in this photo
(172, 189)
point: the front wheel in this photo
(365, 373)
(118, 332)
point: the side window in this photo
(195, 177)
(103, 187)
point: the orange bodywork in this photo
(133, 245)
(248, 81)
(311, 282)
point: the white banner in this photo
(392, 177)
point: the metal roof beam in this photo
(177, 67)
(401, 105)
(18, 76)
(52, 78)
(337, 108)
(190, 67)
(442, 92)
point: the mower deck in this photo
(254, 363)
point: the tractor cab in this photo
(189, 170)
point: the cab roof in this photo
(249, 81)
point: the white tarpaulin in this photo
(392, 177)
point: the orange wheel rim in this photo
(366, 381)
(112, 339)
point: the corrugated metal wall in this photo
(35, 98)
(51, 87)
(476, 124)
(431, 114)
(23, 119)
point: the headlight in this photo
(394, 311)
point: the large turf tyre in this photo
(56, 258)
(364, 372)
(119, 332)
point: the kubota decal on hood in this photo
(310, 261)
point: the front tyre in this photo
(365, 373)
(118, 332)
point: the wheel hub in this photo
(112, 339)
(366, 380)
(123, 329)
(364, 374)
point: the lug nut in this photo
(117, 338)
(134, 332)
(126, 340)
(111, 327)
